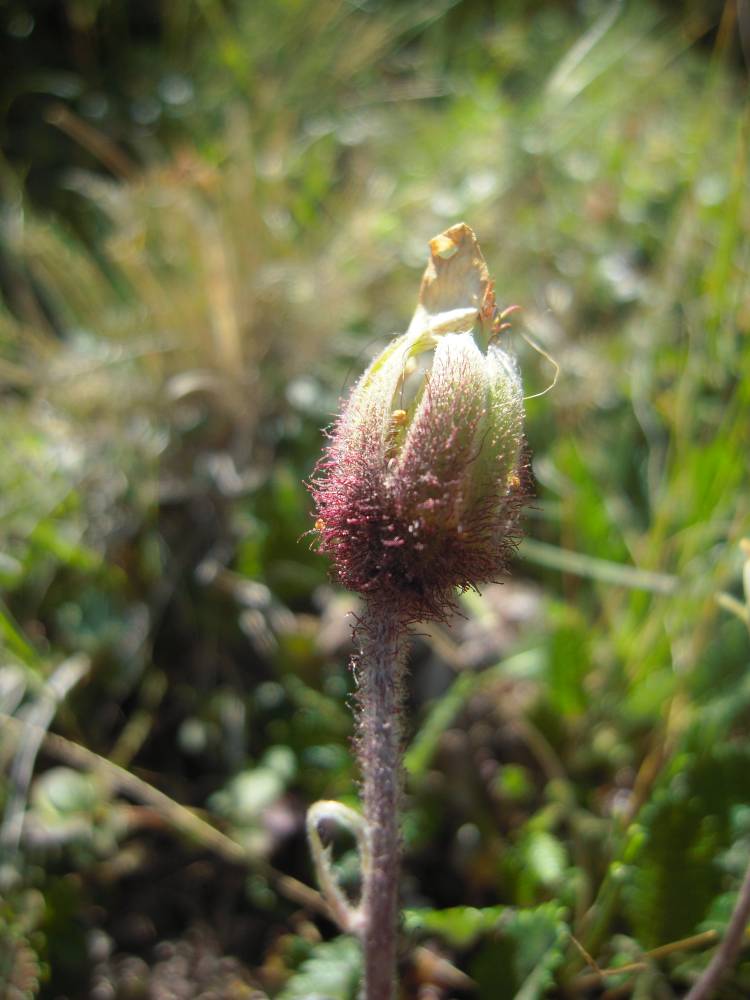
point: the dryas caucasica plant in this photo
(417, 496)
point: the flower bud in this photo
(419, 490)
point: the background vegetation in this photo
(213, 214)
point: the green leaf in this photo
(12, 638)
(332, 972)
(459, 926)
(546, 857)
(249, 793)
(569, 660)
(50, 537)
(518, 963)
(62, 792)
(688, 826)
(514, 783)
(521, 951)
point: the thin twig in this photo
(97, 143)
(726, 953)
(692, 943)
(37, 716)
(180, 817)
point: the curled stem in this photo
(348, 917)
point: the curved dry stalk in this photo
(726, 953)
(348, 917)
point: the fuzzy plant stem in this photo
(380, 669)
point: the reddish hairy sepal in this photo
(408, 537)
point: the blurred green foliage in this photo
(213, 214)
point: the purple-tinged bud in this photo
(419, 490)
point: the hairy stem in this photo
(380, 669)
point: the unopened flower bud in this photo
(419, 489)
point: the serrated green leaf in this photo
(520, 960)
(459, 926)
(688, 826)
(332, 972)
